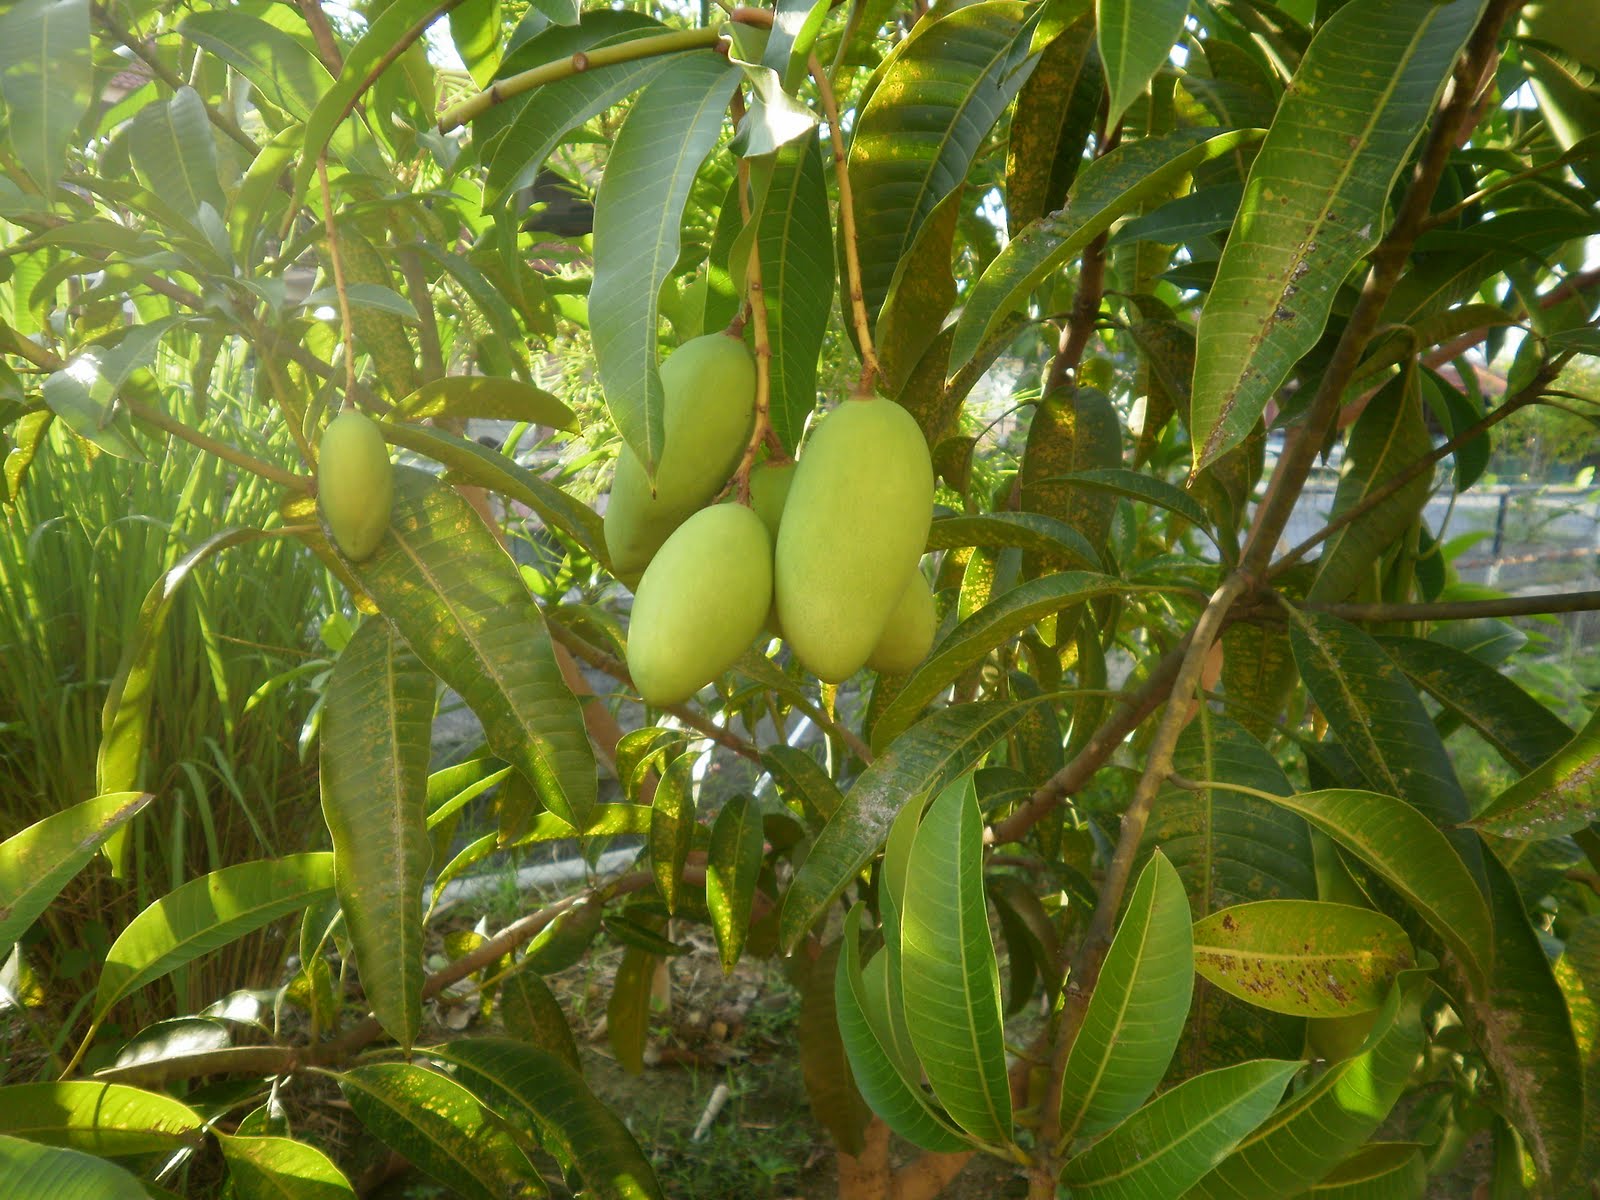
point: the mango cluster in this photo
(826, 555)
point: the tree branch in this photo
(1464, 610)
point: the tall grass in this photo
(79, 550)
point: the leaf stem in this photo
(562, 68)
(847, 228)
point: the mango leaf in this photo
(1562, 795)
(99, 1118)
(510, 1076)
(1379, 1171)
(938, 95)
(922, 759)
(377, 722)
(35, 1172)
(1307, 958)
(440, 1127)
(279, 1168)
(1031, 531)
(1136, 1011)
(37, 862)
(972, 640)
(951, 980)
(1401, 845)
(1389, 435)
(282, 68)
(207, 913)
(1366, 85)
(799, 776)
(1521, 1023)
(531, 1012)
(628, 1010)
(1379, 718)
(1136, 485)
(1135, 39)
(470, 462)
(1326, 1121)
(463, 396)
(890, 1095)
(672, 825)
(1524, 731)
(794, 239)
(518, 136)
(733, 863)
(460, 603)
(1104, 190)
(920, 294)
(1048, 133)
(47, 79)
(1169, 1144)
(637, 214)
(170, 143)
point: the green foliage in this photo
(1286, 845)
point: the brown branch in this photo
(1572, 285)
(427, 324)
(168, 76)
(847, 231)
(211, 445)
(322, 35)
(346, 326)
(1464, 610)
(1405, 475)
(1388, 262)
(1091, 951)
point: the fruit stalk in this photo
(847, 227)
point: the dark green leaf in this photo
(672, 825)
(1135, 38)
(733, 863)
(1379, 1171)
(1030, 531)
(1562, 795)
(1054, 116)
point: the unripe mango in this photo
(710, 386)
(769, 492)
(908, 637)
(700, 604)
(854, 527)
(355, 483)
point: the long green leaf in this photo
(1561, 795)
(1389, 435)
(1031, 531)
(508, 1075)
(458, 599)
(672, 825)
(649, 172)
(733, 863)
(1169, 1144)
(882, 1084)
(532, 1013)
(1307, 958)
(1380, 1171)
(282, 68)
(377, 721)
(488, 398)
(35, 1172)
(1136, 1011)
(1120, 481)
(99, 1118)
(951, 979)
(939, 94)
(442, 1128)
(46, 77)
(922, 759)
(799, 776)
(1396, 841)
(1048, 133)
(174, 155)
(471, 462)
(1135, 38)
(37, 862)
(1316, 200)
(1524, 731)
(972, 640)
(795, 243)
(1103, 191)
(206, 914)
(1378, 717)
(1326, 1121)
(279, 1168)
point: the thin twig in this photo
(847, 229)
(211, 445)
(322, 35)
(1465, 610)
(346, 326)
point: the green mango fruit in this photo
(855, 526)
(769, 492)
(710, 385)
(700, 604)
(908, 637)
(355, 483)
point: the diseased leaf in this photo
(733, 863)
(1561, 795)
(1315, 200)
(1054, 116)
